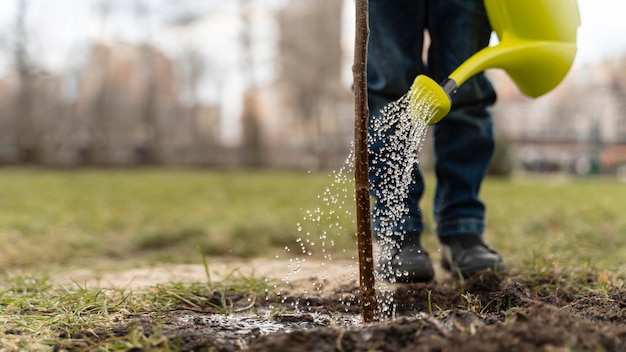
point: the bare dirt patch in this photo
(319, 311)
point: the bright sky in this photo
(601, 34)
(59, 26)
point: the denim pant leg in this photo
(464, 140)
(394, 60)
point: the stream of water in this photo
(401, 129)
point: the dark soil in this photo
(488, 312)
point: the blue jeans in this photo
(463, 140)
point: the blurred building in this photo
(304, 118)
(125, 104)
(137, 104)
(32, 116)
(570, 128)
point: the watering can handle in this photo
(537, 43)
(536, 67)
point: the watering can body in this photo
(537, 43)
(536, 48)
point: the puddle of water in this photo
(264, 324)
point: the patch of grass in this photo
(133, 215)
(564, 222)
(81, 218)
(37, 315)
(34, 312)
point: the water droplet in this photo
(401, 129)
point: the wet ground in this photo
(488, 312)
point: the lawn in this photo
(89, 217)
(52, 218)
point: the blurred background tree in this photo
(247, 83)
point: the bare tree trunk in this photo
(195, 69)
(310, 46)
(361, 167)
(26, 136)
(253, 153)
(98, 151)
(253, 148)
(150, 152)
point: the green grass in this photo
(94, 217)
(566, 223)
(37, 315)
(82, 217)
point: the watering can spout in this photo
(537, 47)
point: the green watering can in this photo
(537, 46)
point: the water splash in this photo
(401, 128)
(328, 222)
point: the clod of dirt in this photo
(294, 318)
(514, 294)
(486, 281)
(601, 308)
